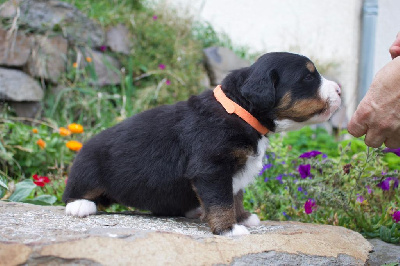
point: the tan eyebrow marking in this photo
(310, 66)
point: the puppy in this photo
(195, 157)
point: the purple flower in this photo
(266, 179)
(360, 198)
(161, 66)
(103, 48)
(309, 206)
(304, 170)
(310, 154)
(369, 189)
(385, 184)
(168, 82)
(396, 216)
(155, 17)
(265, 167)
(279, 178)
(395, 151)
(300, 189)
(324, 156)
(395, 182)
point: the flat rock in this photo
(17, 86)
(15, 48)
(384, 253)
(48, 59)
(44, 15)
(44, 235)
(119, 39)
(220, 61)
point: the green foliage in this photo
(109, 12)
(345, 184)
(26, 192)
(23, 157)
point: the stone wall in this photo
(39, 39)
(42, 39)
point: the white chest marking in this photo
(252, 167)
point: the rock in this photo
(44, 15)
(106, 68)
(17, 86)
(48, 59)
(9, 9)
(26, 109)
(14, 254)
(119, 39)
(220, 61)
(14, 50)
(384, 253)
(47, 237)
(205, 81)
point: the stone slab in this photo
(17, 86)
(49, 57)
(15, 48)
(220, 61)
(50, 237)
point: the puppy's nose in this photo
(338, 89)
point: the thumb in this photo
(394, 51)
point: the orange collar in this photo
(232, 107)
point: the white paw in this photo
(253, 220)
(81, 208)
(238, 230)
(194, 214)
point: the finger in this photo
(374, 138)
(394, 51)
(356, 128)
(392, 143)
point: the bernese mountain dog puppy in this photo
(194, 158)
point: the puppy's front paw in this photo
(237, 230)
(80, 208)
(253, 220)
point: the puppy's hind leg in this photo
(80, 208)
(81, 202)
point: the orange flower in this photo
(41, 143)
(35, 130)
(75, 65)
(75, 128)
(74, 145)
(89, 59)
(64, 132)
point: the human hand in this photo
(394, 50)
(378, 114)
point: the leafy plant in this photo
(351, 187)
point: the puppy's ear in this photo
(259, 89)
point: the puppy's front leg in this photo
(219, 209)
(242, 216)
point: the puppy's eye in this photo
(309, 77)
